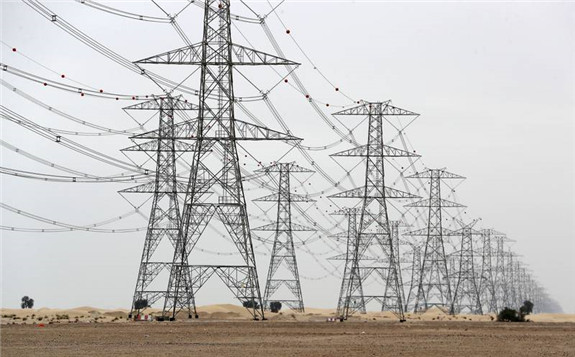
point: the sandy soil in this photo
(209, 337)
(87, 314)
(227, 330)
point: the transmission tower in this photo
(466, 296)
(487, 282)
(387, 302)
(434, 286)
(502, 282)
(414, 269)
(351, 297)
(374, 225)
(283, 252)
(164, 220)
(215, 184)
(510, 277)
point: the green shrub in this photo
(508, 315)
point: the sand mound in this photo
(87, 314)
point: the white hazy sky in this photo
(493, 81)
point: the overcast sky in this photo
(493, 82)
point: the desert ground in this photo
(226, 330)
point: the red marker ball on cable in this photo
(14, 50)
(63, 76)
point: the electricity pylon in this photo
(414, 269)
(488, 276)
(502, 282)
(164, 220)
(510, 277)
(466, 297)
(374, 225)
(387, 302)
(283, 252)
(351, 297)
(215, 185)
(434, 286)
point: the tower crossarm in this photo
(152, 187)
(274, 227)
(424, 232)
(292, 167)
(435, 202)
(433, 173)
(192, 55)
(344, 257)
(188, 130)
(376, 108)
(157, 103)
(388, 151)
(346, 211)
(294, 197)
(155, 145)
(360, 192)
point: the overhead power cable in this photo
(66, 87)
(164, 83)
(70, 144)
(130, 15)
(63, 168)
(104, 130)
(78, 179)
(72, 227)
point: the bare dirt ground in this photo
(210, 337)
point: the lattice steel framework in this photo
(351, 282)
(502, 282)
(513, 298)
(215, 170)
(414, 270)
(488, 284)
(164, 220)
(466, 296)
(283, 252)
(434, 286)
(388, 302)
(374, 228)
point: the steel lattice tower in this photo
(388, 302)
(488, 282)
(347, 302)
(434, 286)
(502, 282)
(283, 252)
(164, 220)
(215, 185)
(512, 297)
(374, 228)
(466, 296)
(414, 272)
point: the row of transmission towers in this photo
(462, 270)
(459, 270)
(456, 270)
(214, 189)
